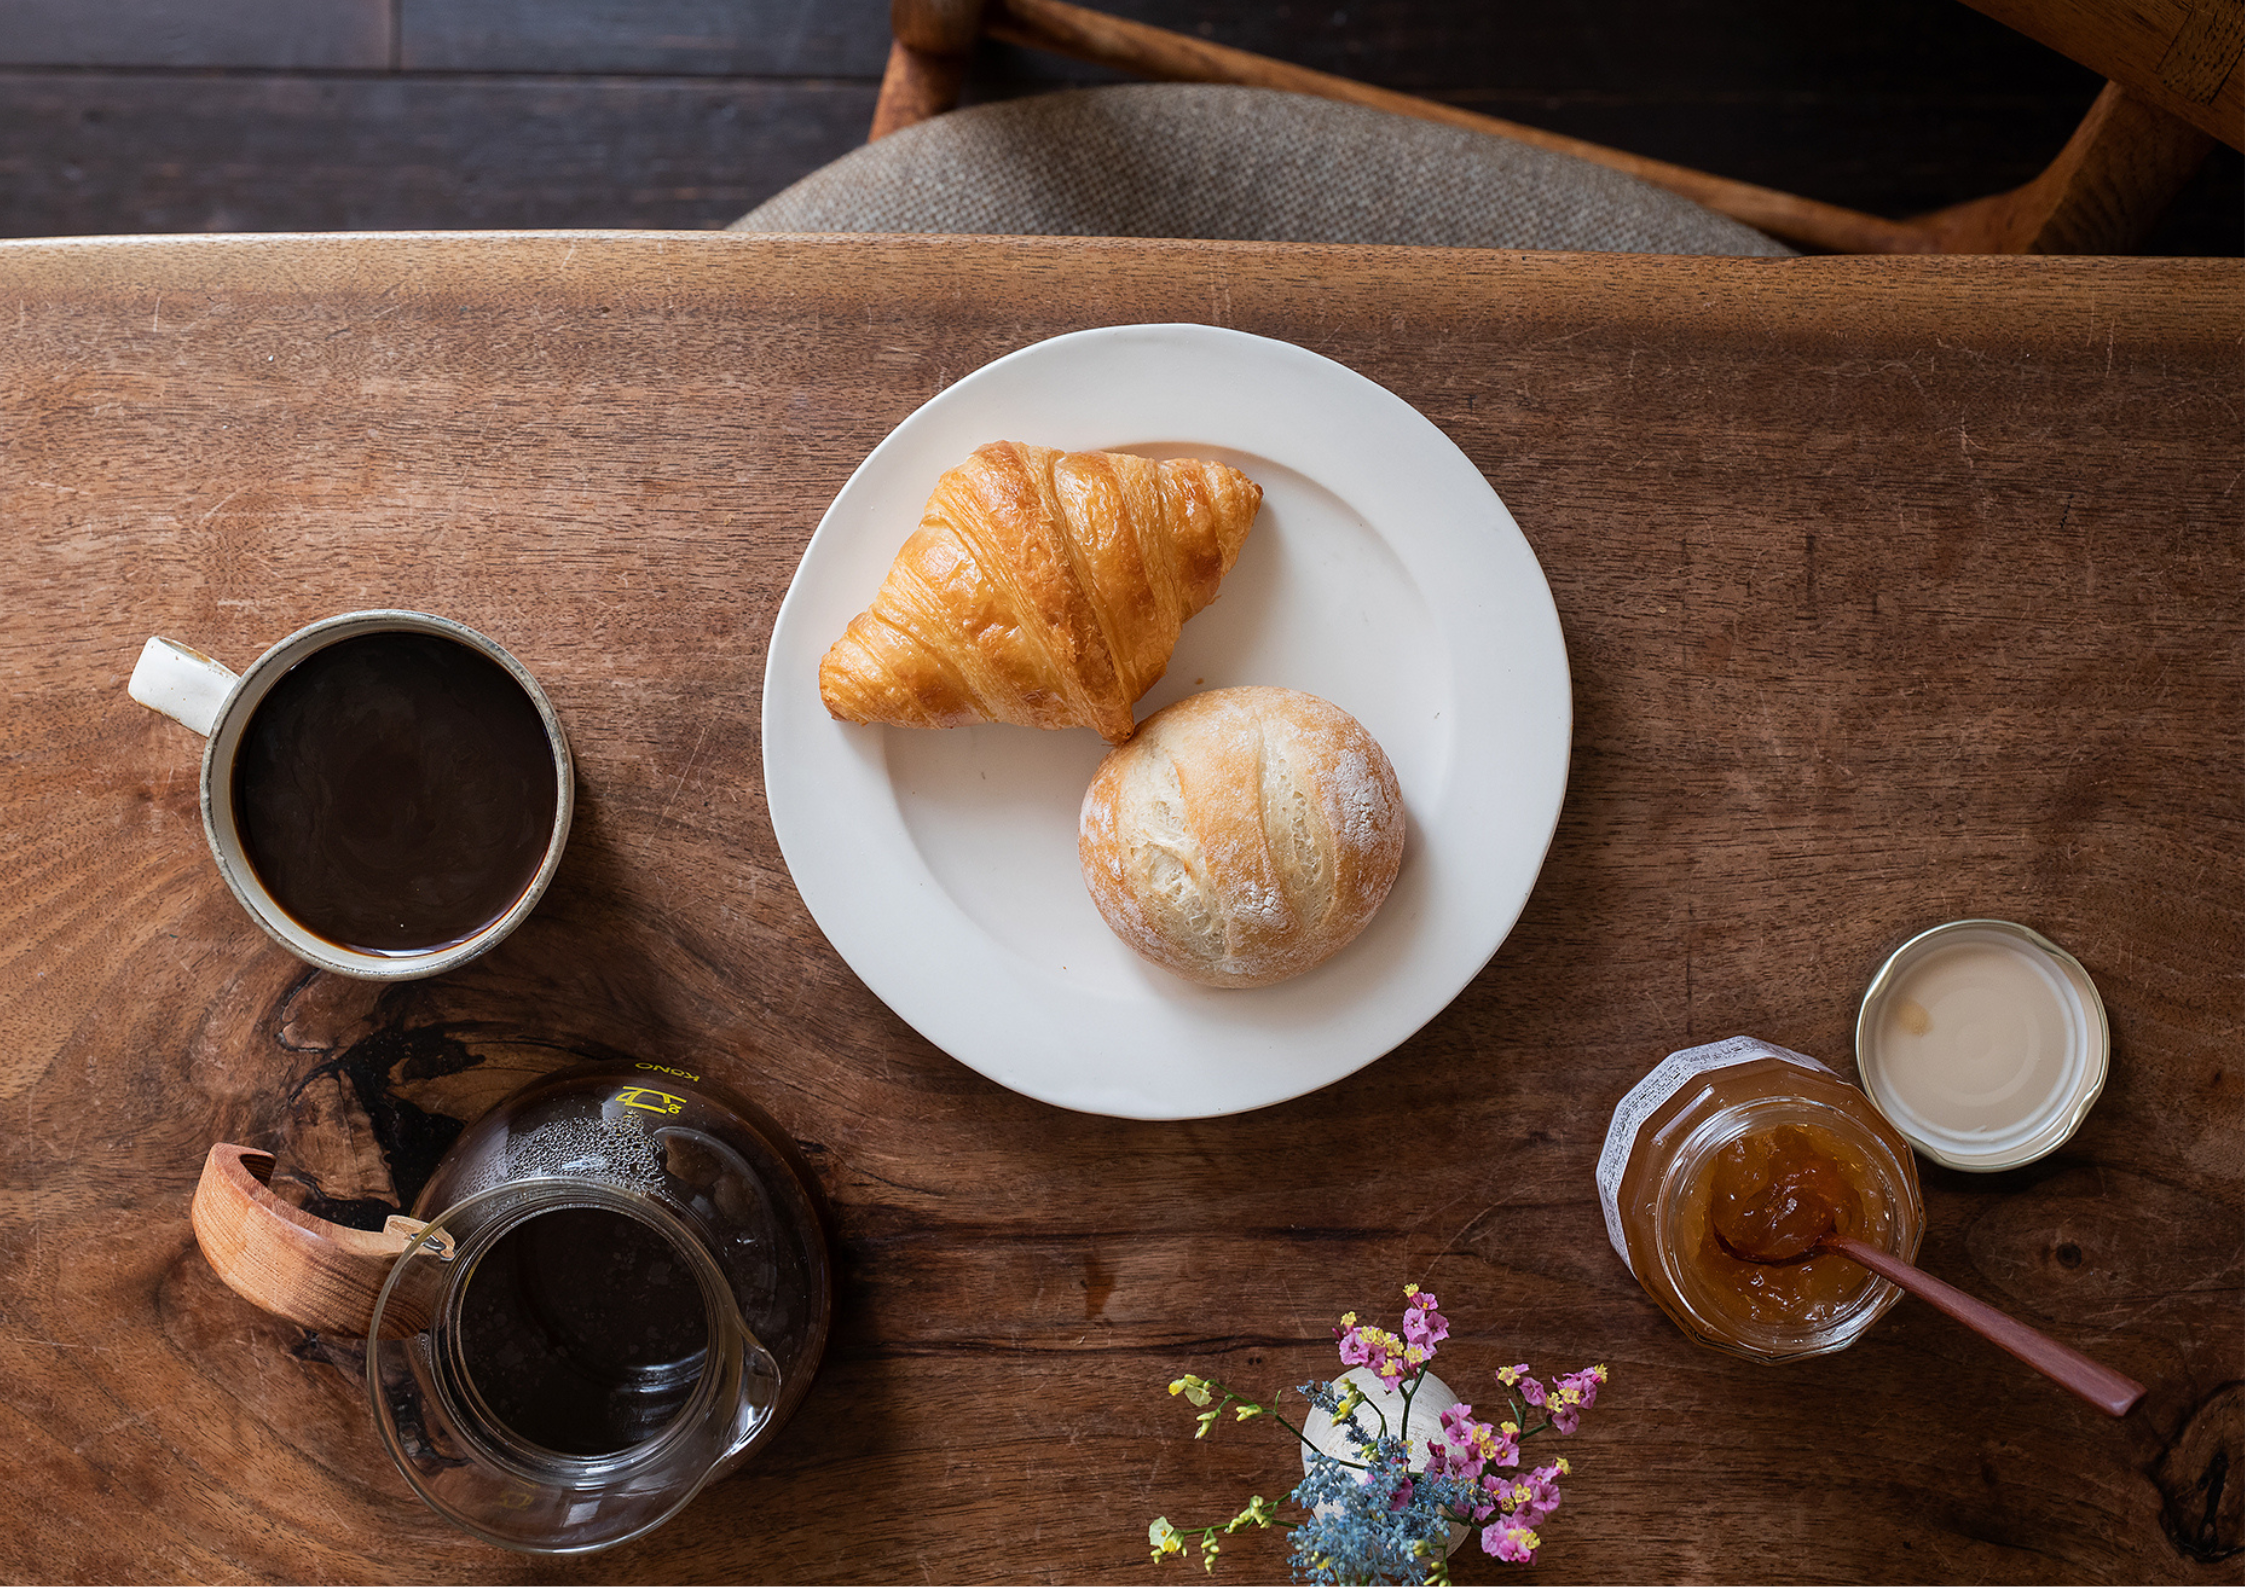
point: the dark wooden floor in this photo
(272, 115)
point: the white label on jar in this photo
(1668, 1077)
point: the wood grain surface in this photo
(1894, 591)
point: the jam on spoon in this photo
(1779, 1214)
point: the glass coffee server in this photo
(615, 1288)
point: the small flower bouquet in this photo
(1390, 1502)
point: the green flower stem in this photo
(1221, 1527)
(1255, 1407)
(1306, 1444)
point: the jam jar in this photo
(1736, 1128)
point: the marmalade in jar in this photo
(1818, 1183)
(1742, 1150)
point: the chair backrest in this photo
(2173, 88)
(1219, 161)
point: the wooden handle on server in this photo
(321, 1274)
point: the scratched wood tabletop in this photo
(1894, 591)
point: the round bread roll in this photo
(1242, 835)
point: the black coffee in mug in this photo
(395, 792)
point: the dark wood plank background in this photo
(1894, 591)
(126, 116)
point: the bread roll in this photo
(1243, 835)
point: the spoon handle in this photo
(2100, 1385)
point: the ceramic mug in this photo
(370, 819)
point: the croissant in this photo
(1042, 588)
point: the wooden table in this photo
(1894, 591)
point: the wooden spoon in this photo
(1799, 1223)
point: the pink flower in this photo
(1389, 1369)
(1583, 1386)
(1515, 1545)
(1378, 1349)
(1422, 1324)
(1571, 1396)
(1464, 1447)
(1517, 1377)
(1507, 1450)
(1353, 1350)
(1472, 1445)
(1537, 1497)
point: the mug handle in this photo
(320, 1274)
(184, 684)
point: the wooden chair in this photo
(2173, 87)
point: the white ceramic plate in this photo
(1383, 574)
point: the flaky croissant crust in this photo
(1042, 588)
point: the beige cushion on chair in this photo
(1201, 160)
